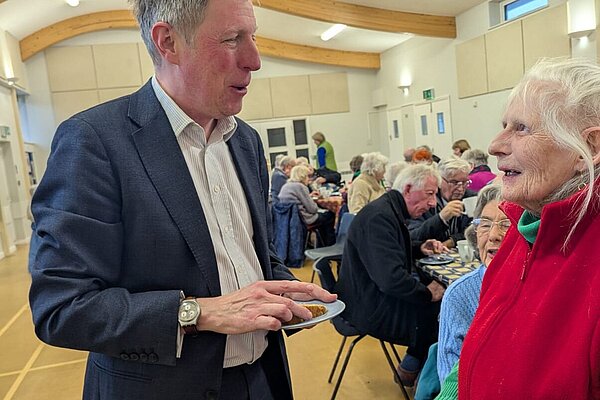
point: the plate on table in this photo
(437, 259)
(333, 309)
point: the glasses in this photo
(483, 225)
(457, 183)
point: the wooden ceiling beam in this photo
(71, 27)
(319, 55)
(376, 19)
(119, 19)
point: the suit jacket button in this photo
(144, 357)
(212, 395)
(134, 356)
(153, 357)
(124, 356)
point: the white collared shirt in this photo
(226, 210)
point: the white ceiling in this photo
(23, 17)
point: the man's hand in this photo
(437, 291)
(454, 208)
(432, 246)
(262, 305)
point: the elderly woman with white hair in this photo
(296, 191)
(536, 333)
(480, 174)
(367, 187)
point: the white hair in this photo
(416, 175)
(476, 157)
(565, 95)
(373, 163)
(392, 171)
(450, 166)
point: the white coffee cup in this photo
(464, 250)
(469, 204)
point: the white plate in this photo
(438, 259)
(333, 309)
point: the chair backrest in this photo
(344, 226)
(323, 267)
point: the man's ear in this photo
(407, 190)
(592, 138)
(165, 40)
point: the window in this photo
(300, 132)
(441, 126)
(513, 9)
(302, 153)
(276, 137)
(424, 125)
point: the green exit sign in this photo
(428, 94)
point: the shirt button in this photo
(217, 189)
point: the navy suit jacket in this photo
(119, 231)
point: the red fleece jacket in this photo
(536, 333)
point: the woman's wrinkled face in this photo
(534, 165)
(489, 239)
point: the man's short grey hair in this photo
(278, 159)
(286, 161)
(476, 157)
(416, 175)
(183, 15)
(565, 95)
(451, 166)
(373, 163)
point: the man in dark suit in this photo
(162, 195)
(383, 298)
(446, 221)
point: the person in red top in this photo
(536, 333)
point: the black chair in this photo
(346, 329)
(333, 252)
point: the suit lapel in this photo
(162, 158)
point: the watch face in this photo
(188, 311)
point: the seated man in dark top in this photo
(383, 299)
(446, 221)
(281, 173)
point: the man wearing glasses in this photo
(447, 221)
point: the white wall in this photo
(13, 199)
(431, 63)
(348, 132)
(39, 126)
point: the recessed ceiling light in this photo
(331, 32)
(72, 3)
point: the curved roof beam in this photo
(376, 19)
(118, 19)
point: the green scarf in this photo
(529, 225)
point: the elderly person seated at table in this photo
(446, 221)
(355, 164)
(281, 173)
(367, 187)
(376, 281)
(536, 333)
(296, 191)
(391, 173)
(462, 296)
(480, 174)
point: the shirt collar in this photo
(179, 120)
